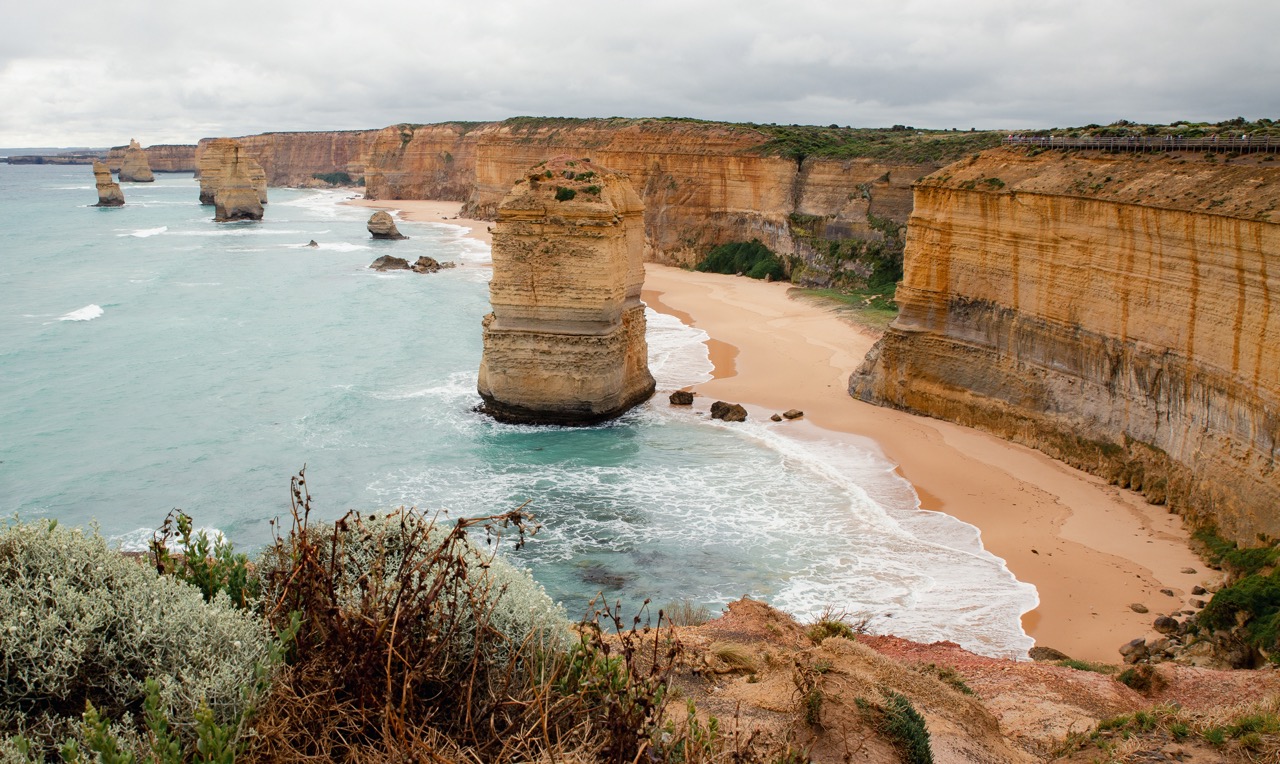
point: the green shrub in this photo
(335, 178)
(564, 194)
(82, 623)
(904, 725)
(1097, 668)
(210, 567)
(752, 258)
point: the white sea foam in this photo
(322, 202)
(143, 233)
(139, 539)
(87, 313)
(678, 354)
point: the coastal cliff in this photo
(1117, 312)
(565, 343)
(162, 158)
(703, 184)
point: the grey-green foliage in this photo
(373, 563)
(81, 622)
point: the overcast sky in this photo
(88, 72)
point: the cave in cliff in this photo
(565, 343)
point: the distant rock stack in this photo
(134, 167)
(214, 160)
(383, 226)
(109, 193)
(237, 197)
(565, 343)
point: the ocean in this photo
(151, 359)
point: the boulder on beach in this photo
(681, 398)
(729, 412)
(382, 226)
(109, 193)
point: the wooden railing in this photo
(1238, 145)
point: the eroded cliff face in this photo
(1117, 312)
(217, 159)
(565, 343)
(295, 159)
(160, 158)
(702, 184)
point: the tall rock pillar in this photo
(565, 343)
(109, 193)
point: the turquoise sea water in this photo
(151, 358)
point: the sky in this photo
(93, 73)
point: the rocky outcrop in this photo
(1116, 312)
(133, 165)
(217, 159)
(238, 194)
(389, 263)
(565, 343)
(382, 226)
(109, 193)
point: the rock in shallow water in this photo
(382, 226)
(729, 412)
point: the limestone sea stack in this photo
(215, 159)
(565, 343)
(237, 196)
(134, 167)
(109, 193)
(382, 226)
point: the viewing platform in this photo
(1239, 145)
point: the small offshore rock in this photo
(775, 418)
(1189, 571)
(793, 413)
(312, 244)
(427, 265)
(681, 398)
(1138, 607)
(729, 412)
(382, 226)
(1039, 653)
(1165, 625)
(389, 263)
(1199, 590)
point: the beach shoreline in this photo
(425, 211)
(1090, 549)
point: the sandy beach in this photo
(1090, 549)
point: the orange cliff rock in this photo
(161, 158)
(217, 158)
(702, 184)
(565, 343)
(1117, 312)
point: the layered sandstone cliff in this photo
(1118, 312)
(296, 159)
(133, 165)
(161, 158)
(703, 184)
(109, 193)
(565, 343)
(219, 158)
